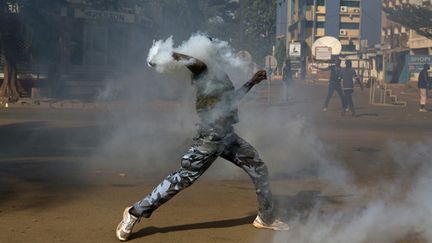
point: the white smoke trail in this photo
(404, 210)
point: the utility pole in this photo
(241, 25)
(289, 23)
(314, 21)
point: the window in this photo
(319, 24)
(318, 2)
(355, 4)
(348, 48)
(352, 26)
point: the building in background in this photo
(404, 50)
(307, 20)
(97, 42)
(100, 44)
(349, 26)
(301, 22)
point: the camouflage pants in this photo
(198, 159)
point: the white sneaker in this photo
(325, 109)
(124, 228)
(277, 224)
(423, 110)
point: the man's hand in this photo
(176, 56)
(259, 76)
(194, 65)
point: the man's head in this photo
(426, 66)
(337, 62)
(348, 63)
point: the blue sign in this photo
(416, 62)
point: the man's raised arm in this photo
(242, 91)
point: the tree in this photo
(10, 37)
(415, 17)
(25, 27)
(247, 24)
(222, 20)
(259, 27)
(179, 18)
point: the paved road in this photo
(67, 174)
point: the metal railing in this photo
(383, 93)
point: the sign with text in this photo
(295, 49)
(323, 53)
(104, 15)
(415, 63)
(13, 8)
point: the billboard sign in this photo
(104, 15)
(415, 63)
(295, 49)
(323, 53)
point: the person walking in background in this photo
(423, 83)
(348, 75)
(334, 84)
(287, 78)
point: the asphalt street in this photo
(66, 174)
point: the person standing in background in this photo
(287, 78)
(423, 83)
(334, 84)
(348, 75)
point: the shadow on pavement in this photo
(204, 225)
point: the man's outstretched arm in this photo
(242, 91)
(322, 68)
(196, 66)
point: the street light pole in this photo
(314, 21)
(241, 25)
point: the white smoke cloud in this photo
(288, 144)
(217, 54)
(404, 210)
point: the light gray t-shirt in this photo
(214, 100)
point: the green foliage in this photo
(415, 17)
(259, 27)
(246, 24)
(221, 20)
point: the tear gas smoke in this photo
(147, 141)
(403, 209)
(217, 54)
